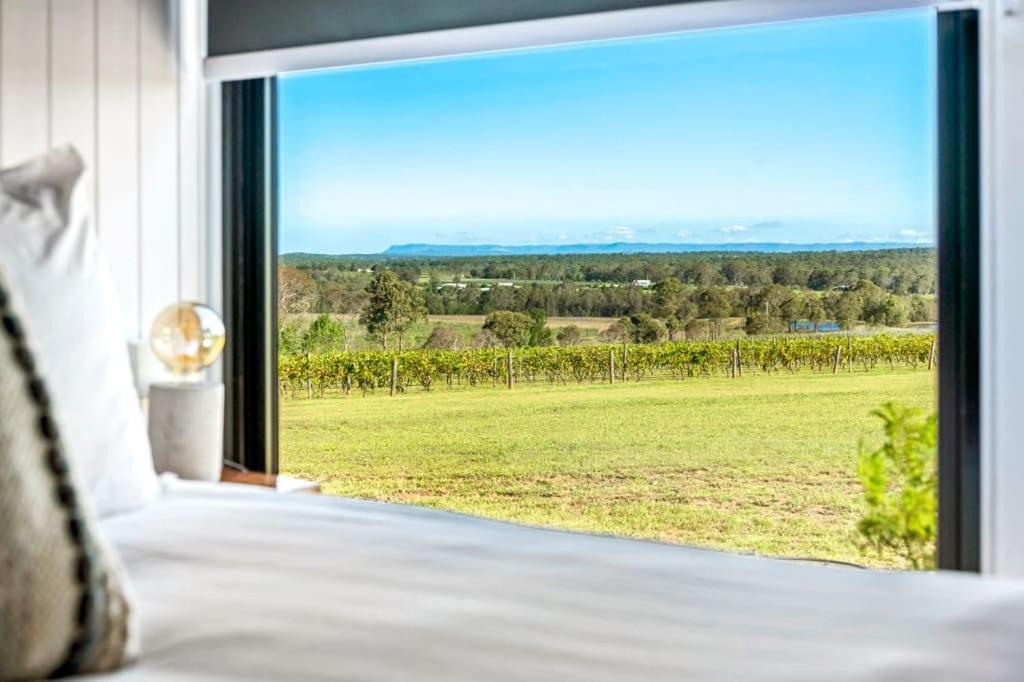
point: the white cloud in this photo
(913, 234)
(620, 233)
(848, 238)
(734, 229)
(683, 234)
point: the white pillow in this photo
(50, 254)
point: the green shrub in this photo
(570, 335)
(759, 323)
(289, 338)
(647, 329)
(900, 487)
(513, 329)
(442, 337)
(325, 335)
(540, 333)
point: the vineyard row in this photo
(366, 371)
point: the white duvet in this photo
(235, 583)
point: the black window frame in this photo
(959, 248)
(250, 281)
(249, 220)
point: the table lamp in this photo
(187, 338)
(186, 415)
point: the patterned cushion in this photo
(63, 604)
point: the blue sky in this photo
(813, 131)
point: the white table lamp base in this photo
(186, 429)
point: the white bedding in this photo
(235, 583)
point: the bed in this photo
(239, 583)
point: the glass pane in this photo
(653, 287)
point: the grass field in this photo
(762, 464)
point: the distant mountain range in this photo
(454, 250)
(477, 250)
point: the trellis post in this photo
(394, 374)
(625, 360)
(509, 368)
(309, 380)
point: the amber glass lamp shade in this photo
(187, 337)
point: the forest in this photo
(901, 271)
(646, 297)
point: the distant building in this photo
(452, 285)
(644, 283)
(505, 284)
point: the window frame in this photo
(249, 224)
(959, 248)
(250, 220)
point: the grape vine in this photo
(366, 371)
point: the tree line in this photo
(899, 271)
(769, 308)
(671, 309)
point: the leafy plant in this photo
(570, 335)
(759, 323)
(513, 329)
(324, 335)
(442, 337)
(900, 486)
(647, 329)
(620, 330)
(540, 333)
(289, 338)
(393, 306)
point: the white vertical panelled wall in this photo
(119, 79)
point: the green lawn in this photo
(762, 464)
